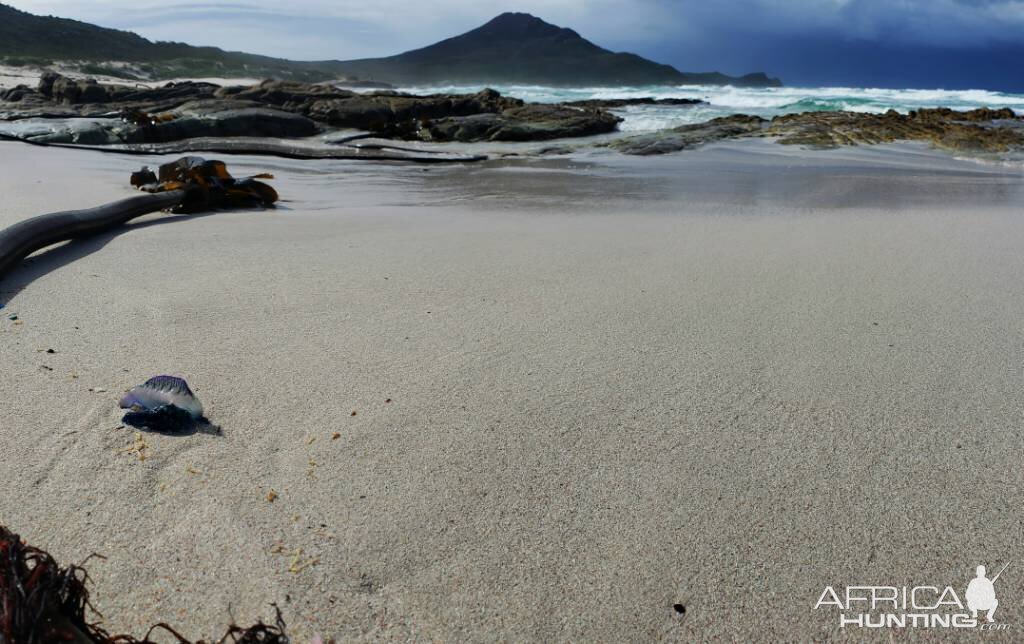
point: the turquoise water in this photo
(766, 102)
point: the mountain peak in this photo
(513, 48)
(519, 48)
(515, 18)
(517, 24)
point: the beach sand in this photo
(722, 379)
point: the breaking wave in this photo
(764, 102)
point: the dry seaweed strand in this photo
(42, 602)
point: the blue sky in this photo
(894, 43)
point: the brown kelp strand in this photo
(208, 185)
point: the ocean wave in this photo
(765, 102)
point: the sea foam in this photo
(764, 102)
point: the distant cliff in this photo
(520, 48)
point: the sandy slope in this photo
(722, 379)
(13, 76)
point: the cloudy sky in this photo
(894, 43)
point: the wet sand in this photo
(723, 379)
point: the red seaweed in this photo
(43, 602)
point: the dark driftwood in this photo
(26, 237)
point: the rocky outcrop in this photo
(193, 119)
(291, 109)
(981, 130)
(523, 123)
(16, 94)
(61, 89)
(285, 109)
(384, 111)
(250, 121)
(689, 136)
(974, 130)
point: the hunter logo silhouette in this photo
(981, 593)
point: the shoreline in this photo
(303, 120)
(723, 379)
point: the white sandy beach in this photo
(723, 379)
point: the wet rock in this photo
(15, 94)
(46, 82)
(525, 123)
(980, 115)
(359, 112)
(96, 134)
(287, 95)
(974, 130)
(689, 136)
(982, 130)
(254, 121)
(484, 116)
(191, 121)
(67, 90)
(394, 114)
(288, 109)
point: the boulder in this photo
(253, 121)
(16, 94)
(534, 122)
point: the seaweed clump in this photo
(43, 602)
(208, 185)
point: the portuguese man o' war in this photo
(163, 404)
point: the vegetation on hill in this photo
(512, 48)
(520, 48)
(27, 39)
